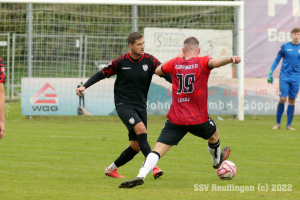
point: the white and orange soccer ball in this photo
(227, 170)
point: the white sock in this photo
(148, 165)
(112, 167)
(216, 160)
(214, 150)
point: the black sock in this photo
(125, 156)
(143, 143)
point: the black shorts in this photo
(171, 134)
(130, 116)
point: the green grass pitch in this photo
(65, 158)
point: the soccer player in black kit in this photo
(134, 74)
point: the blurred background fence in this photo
(74, 41)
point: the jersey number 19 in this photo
(186, 83)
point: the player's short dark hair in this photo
(132, 37)
(191, 40)
(295, 30)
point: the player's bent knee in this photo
(282, 100)
(292, 101)
(135, 145)
(140, 128)
(137, 149)
(215, 137)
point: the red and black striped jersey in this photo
(2, 71)
(133, 78)
(189, 90)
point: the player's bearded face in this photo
(138, 47)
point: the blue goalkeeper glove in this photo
(270, 77)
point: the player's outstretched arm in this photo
(106, 72)
(216, 63)
(80, 90)
(94, 79)
(167, 77)
(159, 71)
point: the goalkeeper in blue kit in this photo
(289, 79)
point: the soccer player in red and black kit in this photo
(134, 74)
(2, 98)
(188, 112)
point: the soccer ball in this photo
(227, 170)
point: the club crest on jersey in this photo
(145, 67)
(299, 50)
(131, 120)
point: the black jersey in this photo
(133, 78)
